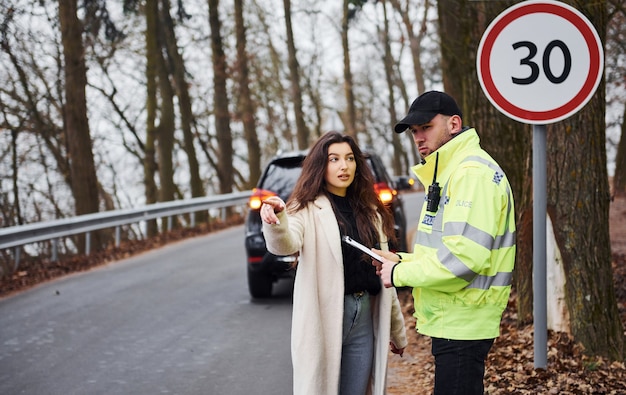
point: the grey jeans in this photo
(357, 351)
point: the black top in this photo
(359, 273)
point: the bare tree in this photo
(415, 39)
(187, 120)
(615, 49)
(296, 89)
(245, 103)
(31, 107)
(269, 89)
(84, 183)
(11, 213)
(349, 120)
(388, 62)
(152, 60)
(167, 124)
(577, 179)
(220, 102)
(619, 179)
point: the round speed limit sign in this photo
(540, 61)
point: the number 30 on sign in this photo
(540, 62)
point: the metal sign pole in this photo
(539, 246)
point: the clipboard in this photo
(356, 244)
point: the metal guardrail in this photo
(16, 236)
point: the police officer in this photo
(463, 258)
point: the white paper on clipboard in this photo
(356, 244)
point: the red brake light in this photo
(385, 194)
(257, 198)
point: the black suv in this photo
(279, 178)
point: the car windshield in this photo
(282, 174)
(376, 175)
(281, 178)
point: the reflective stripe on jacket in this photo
(462, 261)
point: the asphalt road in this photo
(177, 320)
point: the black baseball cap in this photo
(425, 107)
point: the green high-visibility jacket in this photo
(462, 262)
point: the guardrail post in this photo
(193, 219)
(55, 250)
(169, 223)
(117, 236)
(87, 243)
(18, 250)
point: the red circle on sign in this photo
(551, 115)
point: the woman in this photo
(343, 319)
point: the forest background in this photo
(112, 104)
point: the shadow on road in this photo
(282, 293)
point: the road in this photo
(177, 320)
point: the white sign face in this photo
(540, 61)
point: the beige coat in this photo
(317, 319)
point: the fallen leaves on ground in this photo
(510, 364)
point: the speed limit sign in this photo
(540, 61)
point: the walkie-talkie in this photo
(434, 191)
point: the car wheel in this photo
(259, 284)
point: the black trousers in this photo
(460, 366)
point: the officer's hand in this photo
(383, 269)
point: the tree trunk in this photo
(149, 162)
(16, 196)
(220, 103)
(184, 105)
(388, 65)
(276, 106)
(578, 205)
(619, 178)
(84, 182)
(615, 49)
(296, 90)
(167, 124)
(245, 104)
(415, 40)
(462, 24)
(415, 43)
(454, 21)
(350, 114)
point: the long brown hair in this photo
(360, 193)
